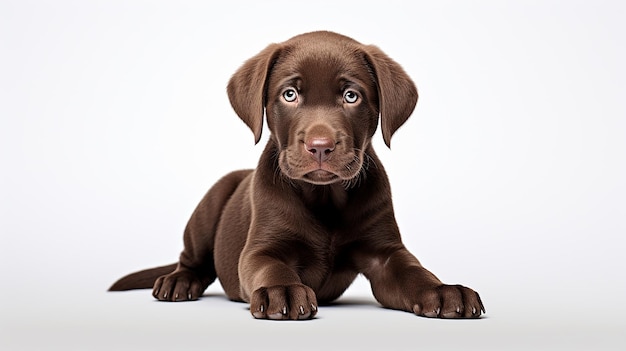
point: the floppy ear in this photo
(246, 88)
(397, 94)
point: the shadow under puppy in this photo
(317, 210)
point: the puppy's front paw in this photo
(449, 301)
(180, 285)
(296, 301)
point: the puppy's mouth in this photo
(321, 177)
(342, 167)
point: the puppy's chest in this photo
(334, 234)
(332, 211)
(330, 219)
(334, 242)
(329, 263)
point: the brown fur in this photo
(317, 210)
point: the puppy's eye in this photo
(350, 96)
(290, 95)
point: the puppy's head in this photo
(322, 94)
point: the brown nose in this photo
(320, 148)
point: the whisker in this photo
(361, 174)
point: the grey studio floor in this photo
(508, 177)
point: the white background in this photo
(508, 178)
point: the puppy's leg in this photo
(196, 269)
(400, 282)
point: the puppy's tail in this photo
(143, 279)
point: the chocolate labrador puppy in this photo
(317, 210)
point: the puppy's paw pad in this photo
(432, 314)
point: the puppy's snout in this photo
(320, 148)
